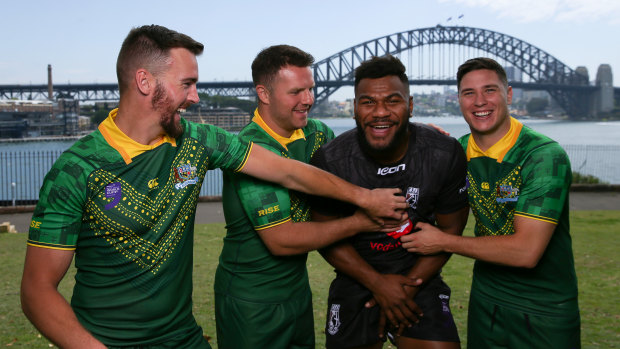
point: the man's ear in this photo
(143, 81)
(263, 94)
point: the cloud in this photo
(581, 11)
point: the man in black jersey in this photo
(385, 150)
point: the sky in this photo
(81, 39)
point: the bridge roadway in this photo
(569, 87)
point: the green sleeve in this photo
(57, 218)
(547, 177)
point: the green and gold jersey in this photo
(247, 270)
(128, 212)
(525, 174)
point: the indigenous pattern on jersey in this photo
(525, 174)
(247, 270)
(431, 175)
(128, 211)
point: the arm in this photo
(521, 249)
(294, 238)
(296, 175)
(388, 289)
(44, 306)
(450, 224)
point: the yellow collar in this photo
(127, 147)
(498, 150)
(297, 134)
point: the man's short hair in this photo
(149, 47)
(378, 67)
(270, 60)
(478, 64)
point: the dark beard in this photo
(400, 137)
(162, 104)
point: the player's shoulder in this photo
(535, 144)
(428, 136)
(89, 152)
(343, 145)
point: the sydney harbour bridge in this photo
(431, 55)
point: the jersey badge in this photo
(185, 175)
(153, 183)
(334, 319)
(412, 197)
(485, 186)
(113, 191)
(507, 193)
(464, 189)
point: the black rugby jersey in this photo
(432, 176)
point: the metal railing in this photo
(22, 172)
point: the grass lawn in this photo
(594, 244)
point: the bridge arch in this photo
(539, 65)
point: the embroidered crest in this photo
(185, 175)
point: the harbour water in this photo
(592, 146)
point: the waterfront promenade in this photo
(211, 211)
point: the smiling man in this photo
(123, 201)
(386, 150)
(262, 293)
(524, 290)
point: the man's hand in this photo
(394, 294)
(381, 204)
(427, 240)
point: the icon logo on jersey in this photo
(334, 319)
(506, 193)
(404, 230)
(185, 175)
(485, 186)
(389, 170)
(412, 197)
(113, 191)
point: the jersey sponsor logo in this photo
(113, 191)
(334, 319)
(185, 175)
(153, 183)
(507, 193)
(485, 186)
(377, 246)
(412, 197)
(389, 170)
(269, 210)
(404, 230)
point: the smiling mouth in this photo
(482, 113)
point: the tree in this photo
(536, 105)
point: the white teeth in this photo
(181, 110)
(482, 113)
(383, 126)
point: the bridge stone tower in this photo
(604, 97)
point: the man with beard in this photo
(262, 293)
(385, 150)
(524, 289)
(123, 200)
